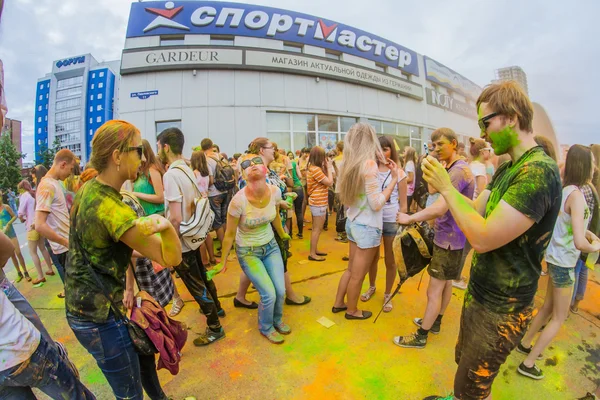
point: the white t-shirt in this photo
(50, 198)
(561, 250)
(212, 168)
(203, 182)
(254, 227)
(410, 167)
(478, 169)
(180, 189)
(391, 207)
(18, 337)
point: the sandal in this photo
(387, 303)
(27, 278)
(214, 261)
(366, 296)
(176, 307)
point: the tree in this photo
(45, 156)
(10, 172)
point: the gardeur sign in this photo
(234, 19)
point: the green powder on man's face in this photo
(504, 140)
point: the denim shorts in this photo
(561, 277)
(365, 237)
(390, 229)
(318, 211)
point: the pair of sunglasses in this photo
(140, 150)
(485, 121)
(256, 161)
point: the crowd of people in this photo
(134, 217)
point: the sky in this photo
(553, 41)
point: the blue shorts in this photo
(390, 229)
(365, 237)
(561, 277)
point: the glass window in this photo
(304, 140)
(41, 97)
(278, 122)
(61, 94)
(303, 122)
(333, 56)
(46, 95)
(162, 125)
(99, 96)
(346, 123)
(100, 85)
(99, 108)
(39, 108)
(101, 74)
(328, 123)
(93, 86)
(388, 128)
(98, 119)
(91, 108)
(403, 130)
(68, 82)
(92, 97)
(61, 116)
(41, 86)
(39, 119)
(281, 138)
(61, 105)
(294, 48)
(415, 132)
(39, 130)
(170, 41)
(327, 140)
(93, 75)
(375, 124)
(221, 40)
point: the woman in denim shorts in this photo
(250, 214)
(569, 239)
(361, 192)
(397, 202)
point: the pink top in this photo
(368, 208)
(203, 182)
(27, 210)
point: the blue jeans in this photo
(263, 265)
(46, 370)
(24, 307)
(125, 370)
(581, 277)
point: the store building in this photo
(73, 101)
(233, 72)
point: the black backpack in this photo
(224, 179)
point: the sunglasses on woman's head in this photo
(256, 161)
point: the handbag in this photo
(140, 340)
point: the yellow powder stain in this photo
(321, 388)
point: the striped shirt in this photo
(317, 191)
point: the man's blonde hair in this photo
(509, 99)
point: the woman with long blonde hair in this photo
(359, 190)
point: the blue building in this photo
(73, 101)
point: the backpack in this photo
(224, 179)
(412, 248)
(194, 231)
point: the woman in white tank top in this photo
(569, 239)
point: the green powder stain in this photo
(504, 140)
(95, 376)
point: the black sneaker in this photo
(588, 396)
(533, 372)
(204, 339)
(221, 313)
(414, 341)
(435, 328)
(526, 350)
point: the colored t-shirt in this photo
(19, 339)
(180, 188)
(561, 250)
(203, 182)
(505, 280)
(27, 210)
(50, 198)
(410, 167)
(447, 233)
(275, 180)
(295, 177)
(5, 218)
(212, 168)
(477, 169)
(143, 185)
(368, 207)
(392, 206)
(317, 191)
(98, 221)
(254, 227)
